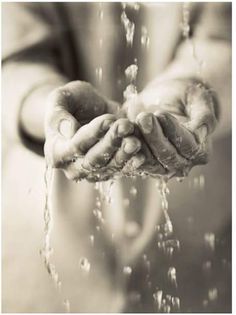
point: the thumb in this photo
(201, 109)
(68, 126)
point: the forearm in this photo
(25, 89)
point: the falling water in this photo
(163, 189)
(47, 249)
(128, 26)
(186, 34)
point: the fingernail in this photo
(106, 124)
(147, 124)
(131, 147)
(65, 128)
(124, 129)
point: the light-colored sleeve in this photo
(29, 58)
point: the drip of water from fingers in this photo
(47, 250)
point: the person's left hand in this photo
(175, 118)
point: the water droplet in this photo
(98, 214)
(172, 276)
(145, 40)
(207, 266)
(168, 298)
(212, 294)
(158, 298)
(175, 303)
(91, 238)
(127, 270)
(84, 264)
(166, 308)
(209, 239)
(202, 181)
(173, 243)
(98, 203)
(100, 14)
(66, 304)
(99, 73)
(133, 191)
(205, 303)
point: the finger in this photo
(57, 147)
(132, 167)
(200, 108)
(60, 126)
(143, 163)
(130, 145)
(101, 153)
(66, 149)
(89, 134)
(75, 171)
(58, 118)
(183, 140)
(76, 100)
(159, 145)
(151, 164)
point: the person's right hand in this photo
(83, 135)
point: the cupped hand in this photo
(175, 119)
(83, 135)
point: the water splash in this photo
(131, 72)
